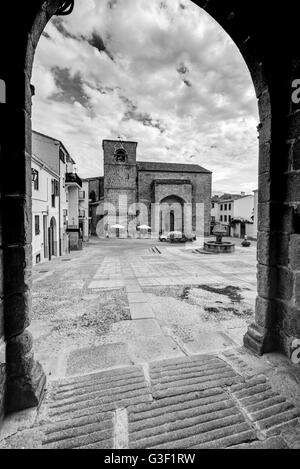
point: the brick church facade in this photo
(165, 196)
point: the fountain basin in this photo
(219, 248)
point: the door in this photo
(243, 230)
(172, 221)
(45, 234)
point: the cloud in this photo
(162, 73)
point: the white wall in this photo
(46, 149)
(73, 205)
(243, 207)
(251, 231)
(63, 207)
(41, 206)
(215, 211)
(84, 205)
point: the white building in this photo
(242, 217)
(45, 211)
(55, 199)
(253, 229)
(236, 212)
(84, 218)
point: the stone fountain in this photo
(219, 246)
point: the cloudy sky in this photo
(162, 73)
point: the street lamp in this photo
(34, 175)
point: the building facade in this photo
(45, 211)
(236, 212)
(55, 199)
(163, 196)
(84, 218)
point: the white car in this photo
(176, 236)
(172, 234)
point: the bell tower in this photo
(120, 176)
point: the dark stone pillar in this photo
(25, 379)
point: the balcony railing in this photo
(73, 178)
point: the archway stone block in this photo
(18, 264)
(264, 158)
(18, 231)
(266, 314)
(25, 377)
(273, 248)
(264, 193)
(294, 252)
(260, 339)
(17, 313)
(267, 281)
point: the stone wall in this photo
(2, 343)
(96, 185)
(201, 190)
(162, 188)
(119, 177)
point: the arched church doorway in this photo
(171, 214)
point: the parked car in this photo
(176, 237)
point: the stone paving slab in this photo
(180, 403)
(207, 342)
(106, 284)
(96, 358)
(133, 288)
(158, 347)
(147, 327)
(137, 297)
(141, 311)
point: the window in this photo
(54, 187)
(225, 218)
(62, 156)
(37, 258)
(35, 174)
(229, 218)
(54, 191)
(213, 205)
(121, 155)
(229, 207)
(221, 218)
(225, 208)
(221, 208)
(37, 225)
(65, 214)
(92, 196)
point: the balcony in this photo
(81, 195)
(72, 179)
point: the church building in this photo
(164, 196)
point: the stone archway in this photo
(171, 214)
(274, 64)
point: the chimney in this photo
(243, 193)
